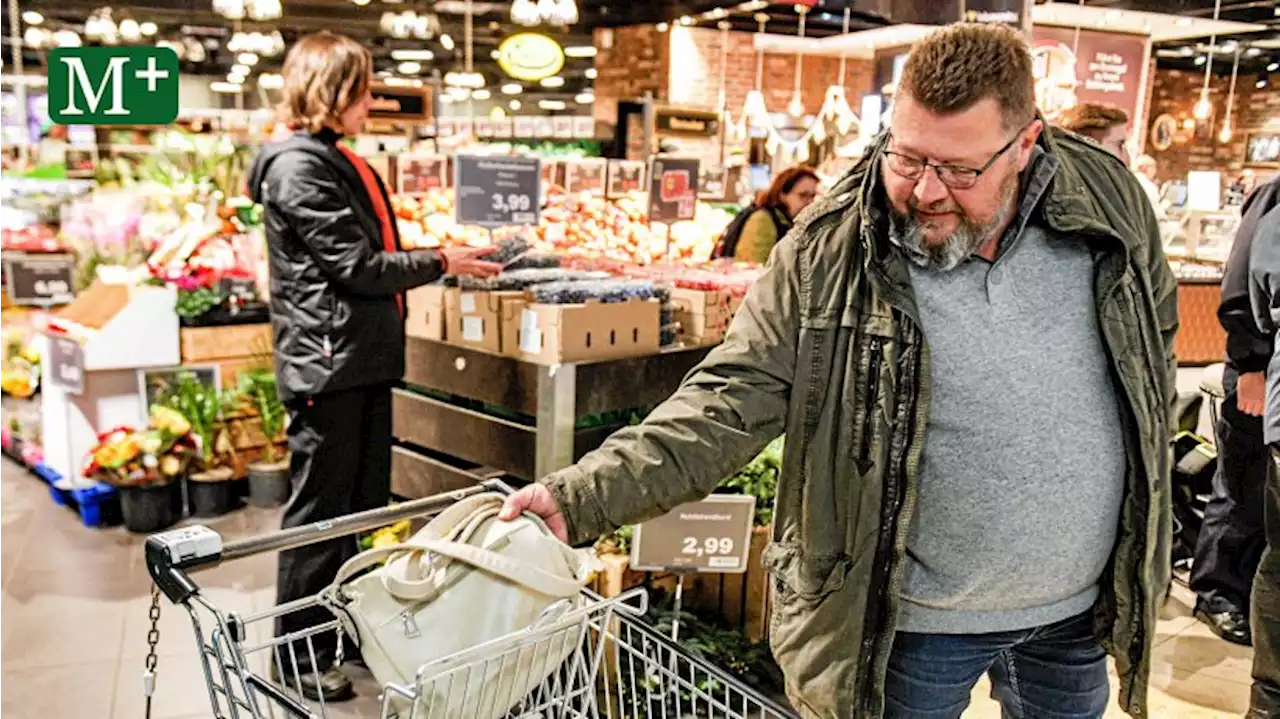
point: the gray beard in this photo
(957, 247)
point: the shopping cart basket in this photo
(617, 665)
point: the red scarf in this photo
(379, 201)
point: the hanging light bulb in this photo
(524, 12)
(1203, 109)
(566, 13)
(795, 107)
(754, 106)
(1224, 135)
(546, 9)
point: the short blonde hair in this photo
(957, 67)
(1093, 120)
(324, 74)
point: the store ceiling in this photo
(492, 24)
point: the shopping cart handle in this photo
(170, 554)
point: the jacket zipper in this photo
(898, 503)
(869, 402)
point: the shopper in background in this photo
(1145, 169)
(792, 190)
(337, 313)
(1232, 539)
(1106, 125)
(976, 475)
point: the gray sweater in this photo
(1023, 470)
(1264, 290)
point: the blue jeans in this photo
(1057, 671)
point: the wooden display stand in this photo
(233, 348)
(96, 345)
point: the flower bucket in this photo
(148, 509)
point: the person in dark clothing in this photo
(1231, 539)
(1264, 291)
(337, 311)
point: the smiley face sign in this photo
(530, 56)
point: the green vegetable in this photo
(193, 303)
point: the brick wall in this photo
(638, 61)
(682, 67)
(1176, 92)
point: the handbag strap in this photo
(431, 540)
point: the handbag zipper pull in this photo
(410, 625)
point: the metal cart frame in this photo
(592, 657)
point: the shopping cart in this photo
(601, 660)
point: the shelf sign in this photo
(673, 189)
(713, 536)
(42, 280)
(691, 123)
(497, 191)
(408, 104)
(66, 364)
(420, 173)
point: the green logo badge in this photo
(113, 85)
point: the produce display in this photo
(574, 292)
(20, 369)
(570, 224)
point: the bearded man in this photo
(969, 345)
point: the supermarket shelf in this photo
(552, 397)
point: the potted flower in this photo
(146, 467)
(209, 489)
(269, 477)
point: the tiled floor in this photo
(74, 614)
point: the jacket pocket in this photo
(815, 627)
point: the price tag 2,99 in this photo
(713, 535)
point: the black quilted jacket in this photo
(334, 289)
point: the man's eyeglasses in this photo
(957, 177)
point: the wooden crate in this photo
(208, 345)
(742, 600)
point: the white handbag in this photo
(465, 579)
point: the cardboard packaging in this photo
(555, 334)
(703, 315)
(424, 312)
(473, 319)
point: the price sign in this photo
(673, 189)
(40, 279)
(497, 191)
(420, 173)
(713, 535)
(66, 364)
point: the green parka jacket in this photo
(828, 348)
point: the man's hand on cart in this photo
(468, 261)
(537, 499)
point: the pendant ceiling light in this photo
(409, 24)
(1224, 135)
(754, 108)
(796, 107)
(258, 10)
(1203, 109)
(552, 12)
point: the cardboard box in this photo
(424, 312)
(205, 344)
(473, 319)
(554, 334)
(703, 315)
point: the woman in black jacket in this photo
(338, 278)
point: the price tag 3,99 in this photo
(712, 535)
(497, 191)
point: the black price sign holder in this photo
(709, 536)
(673, 192)
(497, 191)
(40, 280)
(66, 364)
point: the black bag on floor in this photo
(1195, 459)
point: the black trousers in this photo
(341, 462)
(1265, 620)
(1232, 536)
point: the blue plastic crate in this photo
(98, 505)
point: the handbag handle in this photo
(445, 523)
